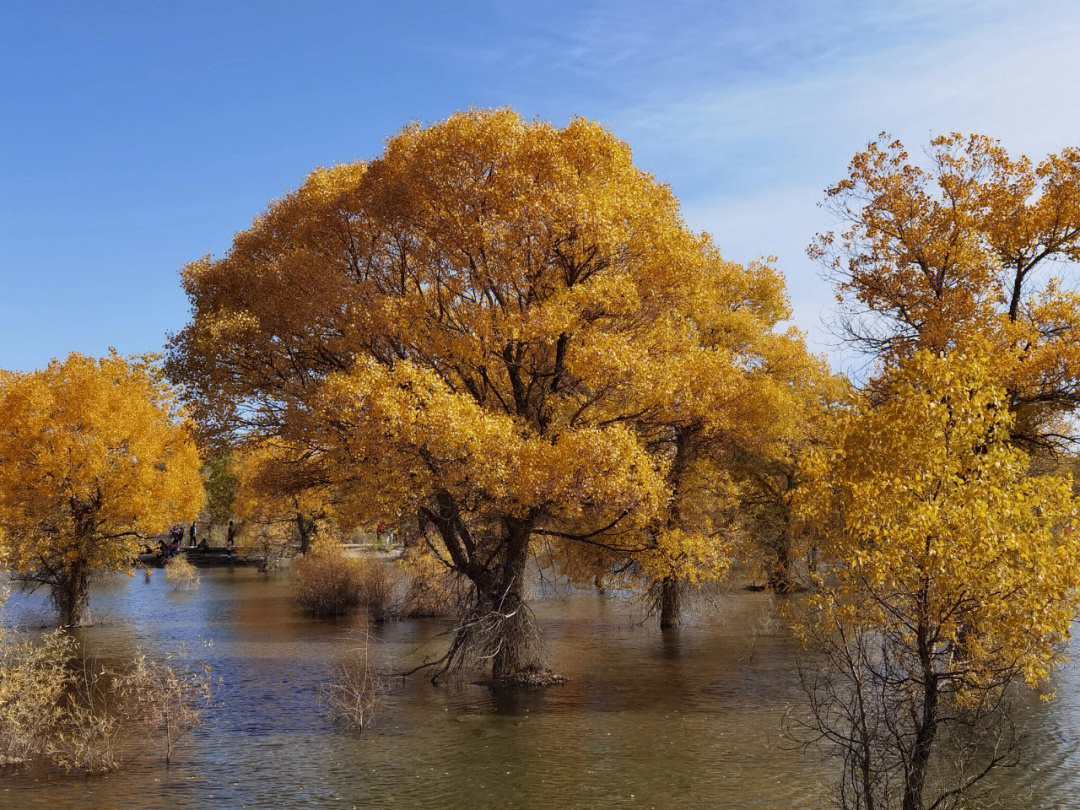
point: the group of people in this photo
(171, 546)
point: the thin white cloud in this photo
(1014, 77)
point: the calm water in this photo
(687, 719)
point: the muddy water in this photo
(679, 720)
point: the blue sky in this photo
(137, 136)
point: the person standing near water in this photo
(191, 534)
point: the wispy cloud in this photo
(751, 158)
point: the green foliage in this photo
(221, 483)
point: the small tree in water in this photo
(282, 510)
(950, 575)
(93, 458)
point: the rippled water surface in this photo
(678, 720)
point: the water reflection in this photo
(689, 718)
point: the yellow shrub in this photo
(181, 574)
(327, 582)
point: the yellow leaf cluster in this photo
(977, 241)
(933, 524)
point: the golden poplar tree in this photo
(494, 331)
(94, 457)
(719, 444)
(950, 572)
(794, 416)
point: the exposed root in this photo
(492, 636)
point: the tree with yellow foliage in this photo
(949, 573)
(976, 241)
(94, 457)
(734, 385)
(477, 331)
(702, 416)
(793, 410)
(281, 509)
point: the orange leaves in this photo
(405, 423)
(93, 453)
(593, 469)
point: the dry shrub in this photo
(166, 698)
(416, 586)
(88, 718)
(328, 583)
(181, 574)
(270, 542)
(33, 681)
(357, 689)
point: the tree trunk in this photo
(306, 527)
(70, 595)
(915, 776)
(517, 652)
(671, 587)
(670, 602)
(780, 579)
(498, 626)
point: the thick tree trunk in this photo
(71, 595)
(670, 602)
(498, 626)
(780, 579)
(517, 653)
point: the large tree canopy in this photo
(93, 458)
(498, 327)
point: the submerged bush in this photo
(330, 583)
(327, 582)
(415, 586)
(33, 681)
(380, 590)
(181, 574)
(357, 689)
(82, 717)
(432, 589)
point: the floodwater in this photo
(647, 720)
